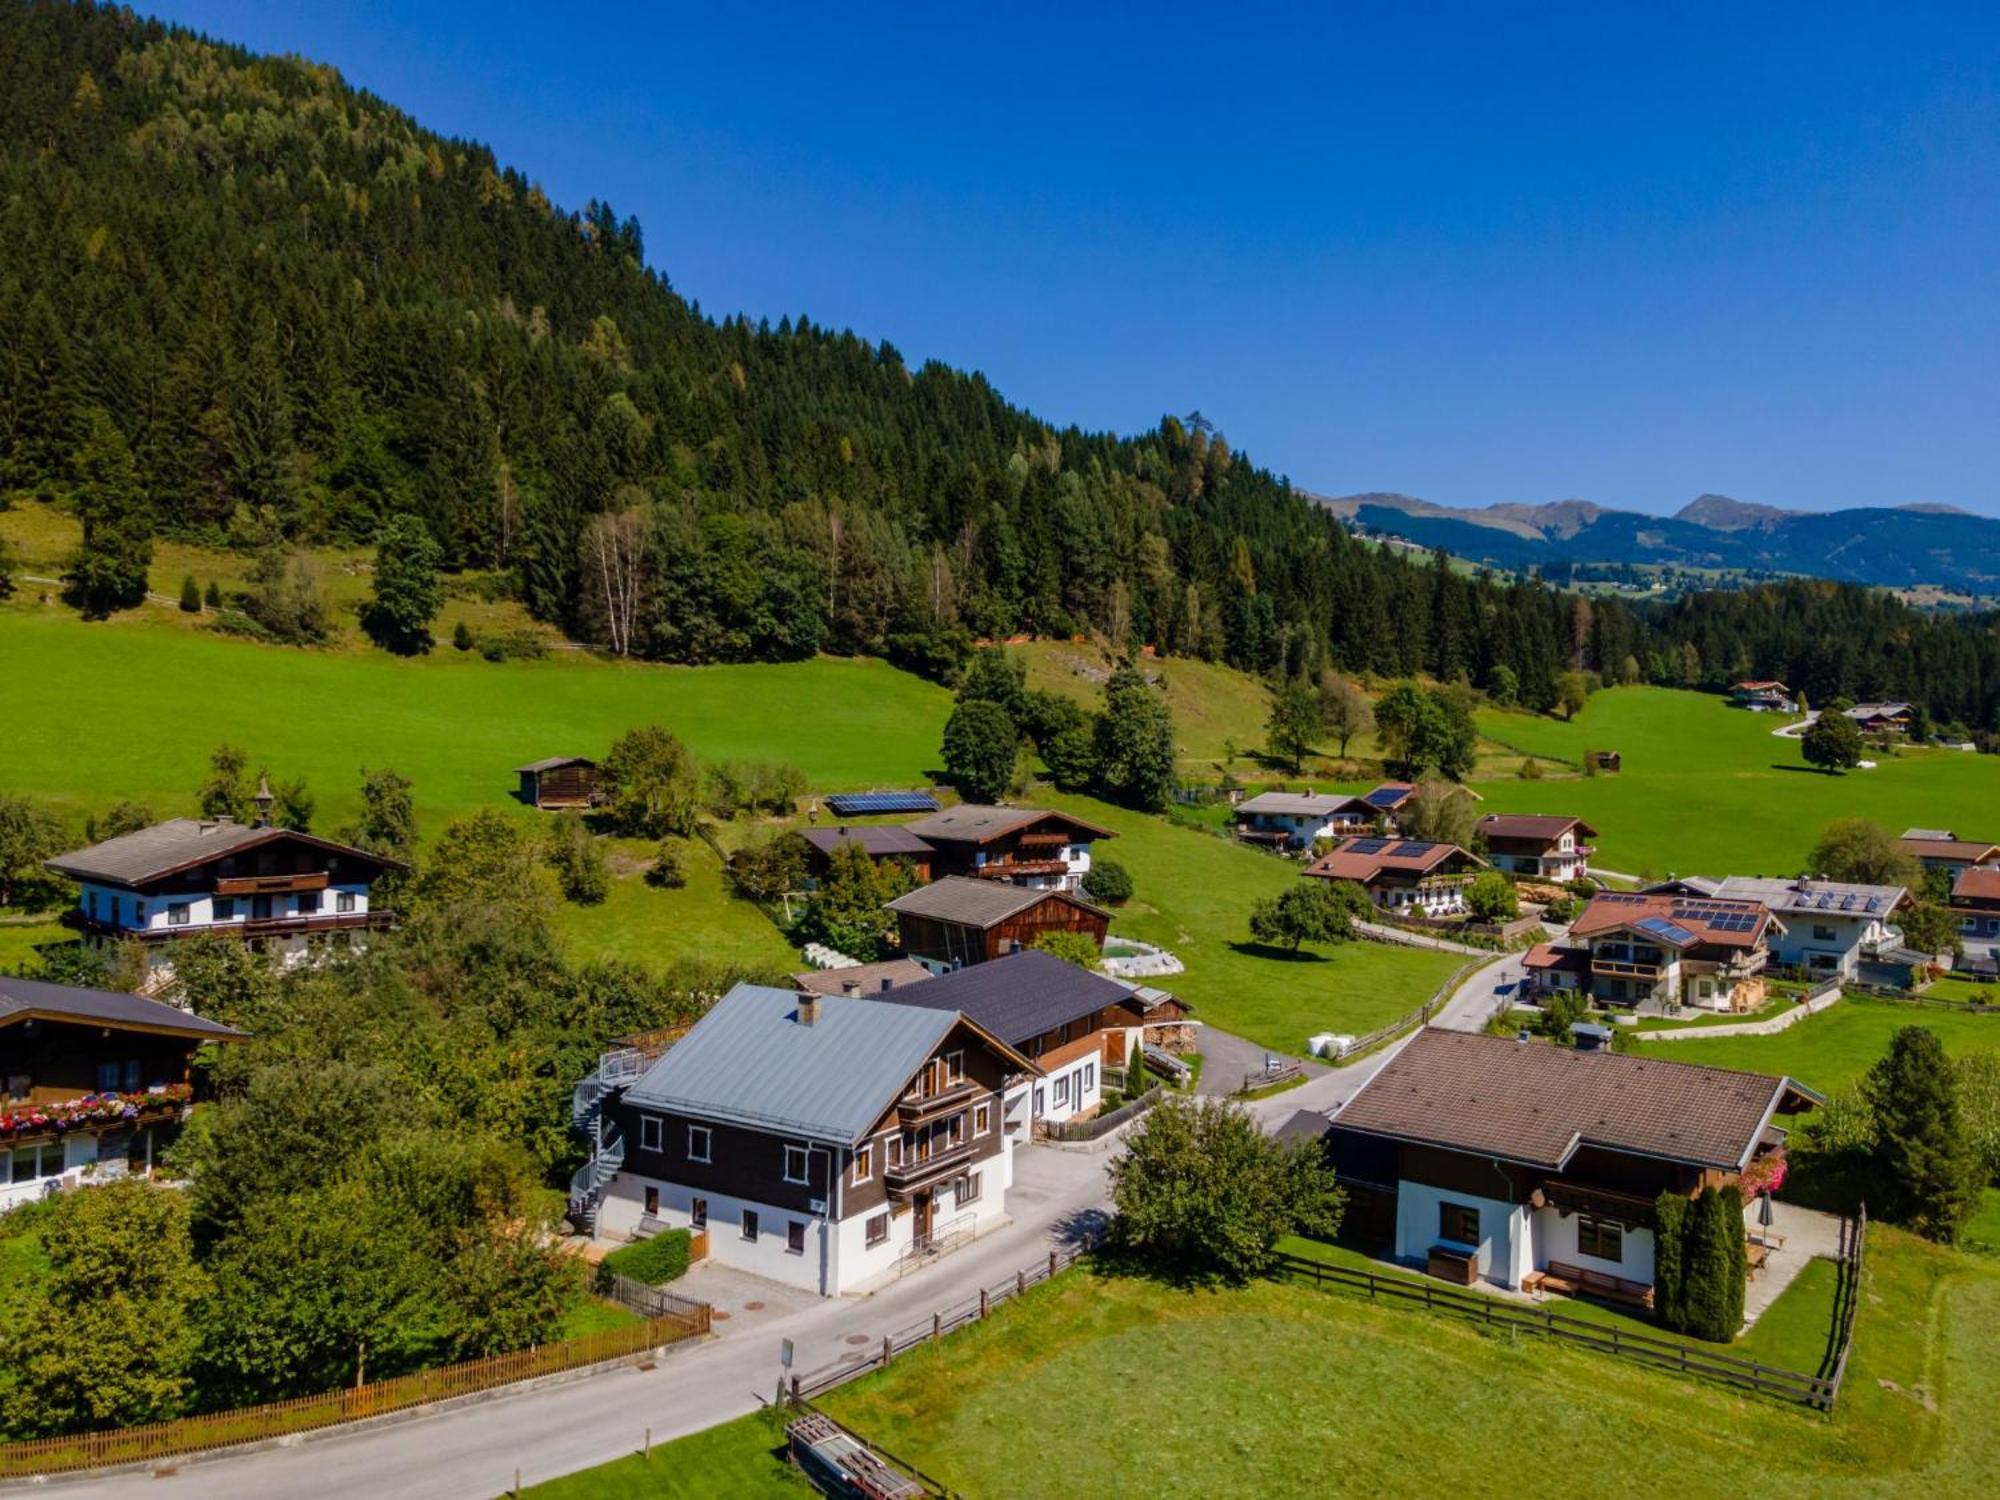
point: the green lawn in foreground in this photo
(1284, 1390)
(1193, 896)
(740, 1459)
(1833, 1049)
(1708, 789)
(19, 940)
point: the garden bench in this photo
(1576, 1281)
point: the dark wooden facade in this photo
(948, 942)
(48, 1062)
(563, 785)
(1035, 850)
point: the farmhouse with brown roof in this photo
(1658, 950)
(1408, 877)
(1520, 1162)
(1025, 846)
(959, 920)
(883, 843)
(1543, 846)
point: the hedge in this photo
(655, 1261)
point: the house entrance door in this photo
(923, 1208)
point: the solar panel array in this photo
(859, 804)
(1367, 846)
(1385, 796)
(1660, 927)
(1412, 849)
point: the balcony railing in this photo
(272, 926)
(909, 1176)
(1613, 968)
(928, 1106)
(24, 1121)
(270, 885)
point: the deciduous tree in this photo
(1831, 742)
(651, 783)
(980, 745)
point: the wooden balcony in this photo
(912, 1110)
(241, 927)
(1013, 868)
(1566, 1195)
(270, 885)
(944, 1162)
(1613, 968)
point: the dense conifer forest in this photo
(289, 313)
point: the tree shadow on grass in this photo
(1808, 770)
(1254, 949)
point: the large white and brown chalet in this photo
(827, 1142)
(282, 891)
(1024, 846)
(1661, 950)
(1540, 846)
(1404, 877)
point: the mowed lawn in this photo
(1193, 895)
(1709, 789)
(1276, 1389)
(1831, 1050)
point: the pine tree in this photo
(190, 596)
(1927, 1168)
(407, 592)
(108, 572)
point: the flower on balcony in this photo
(1764, 1175)
(91, 1109)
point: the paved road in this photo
(471, 1452)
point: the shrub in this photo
(213, 598)
(1071, 947)
(669, 868)
(190, 596)
(461, 636)
(1491, 897)
(654, 1261)
(578, 861)
(1109, 882)
(513, 645)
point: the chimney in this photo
(263, 799)
(808, 1009)
(888, 983)
(850, 986)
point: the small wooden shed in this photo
(1605, 760)
(561, 781)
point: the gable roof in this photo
(869, 977)
(1926, 845)
(555, 763)
(1759, 687)
(1542, 827)
(881, 840)
(1879, 711)
(1390, 795)
(1363, 859)
(1536, 1104)
(750, 1061)
(981, 823)
(1302, 804)
(1018, 996)
(968, 902)
(31, 999)
(1977, 883)
(1675, 920)
(1828, 898)
(149, 854)
(1550, 958)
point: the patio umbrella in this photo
(1764, 1208)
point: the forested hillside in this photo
(291, 313)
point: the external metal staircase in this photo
(615, 1071)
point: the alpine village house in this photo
(1529, 1165)
(1659, 951)
(279, 890)
(1023, 846)
(92, 1083)
(1404, 877)
(821, 1141)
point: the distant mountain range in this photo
(1908, 546)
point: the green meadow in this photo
(1709, 789)
(1831, 1050)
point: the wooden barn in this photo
(560, 782)
(960, 920)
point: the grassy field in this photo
(1274, 1389)
(1193, 896)
(1215, 708)
(1833, 1049)
(1707, 788)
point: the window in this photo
(795, 1164)
(31, 1163)
(138, 914)
(1062, 1091)
(955, 1129)
(750, 1224)
(260, 908)
(878, 1229)
(1089, 1078)
(795, 1237)
(982, 1118)
(131, 1075)
(1822, 933)
(698, 1141)
(107, 1078)
(93, 906)
(308, 903)
(650, 1132)
(177, 914)
(864, 1163)
(225, 908)
(698, 1213)
(343, 901)
(895, 1150)
(954, 1067)
(1600, 1238)
(968, 1189)
(652, 1203)
(1459, 1223)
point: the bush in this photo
(513, 645)
(1071, 947)
(213, 598)
(578, 861)
(190, 596)
(461, 636)
(1108, 882)
(669, 867)
(1492, 898)
(654, 1261)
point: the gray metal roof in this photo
(1017, 997)
(879, 839)
(1301, 804)
(34, 997)
(151, 853)
(1820, 898)
(975, 903)
(750, 1061)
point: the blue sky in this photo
(1473, 253)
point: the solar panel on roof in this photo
(857, 804)
(1847, 903)
(1826, 901)
(1874, 903)
(1383, 796)
(1660, 927)
(1367, 846)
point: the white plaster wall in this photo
(1505, 1248)
(1555, 1239)
(624, 1204)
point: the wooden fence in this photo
(1816, 1391)
(277, 1419)
(656, 1301)
(1100, 1125)
(1846, 1300)
(812, 1383)
(1419, 1017)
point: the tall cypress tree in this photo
(1670, 1215)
